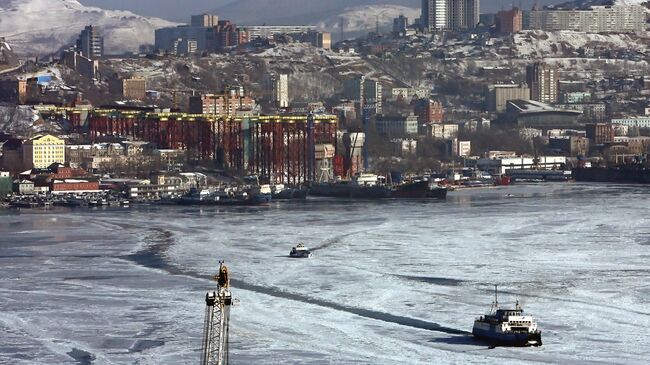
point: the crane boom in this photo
(217, 317)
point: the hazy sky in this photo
(180, 10)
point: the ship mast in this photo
(495, 304)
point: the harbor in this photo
(138, 294)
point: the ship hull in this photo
(620, 174)
(290, 193)
(419, 189)
(334, 190)
(490, 334)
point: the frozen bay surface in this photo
(390, 282)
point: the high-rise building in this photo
(227, 34)
(434, 15)
(318, 39)
(543, 82)
(204, 20)
(429, 111)
(457, 15)
(366, 91)
(400, 24)
(462, 14)
(279, 88)
(509, 21)
(372, 94)
(90, 43)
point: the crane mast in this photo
(217, 316)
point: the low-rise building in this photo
(405, 147)
(397, 125)
(570, 145)
(74, 186)
(498, 95)
(637, 122)
(221, 104)
(529, 113)
(500, 166)
(443, 131)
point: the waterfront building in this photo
(498, 95)
(6, 183)
(42, 151)
(594, 19)
(543, 82)
(570, 145)
(90, 43)
(501, 165)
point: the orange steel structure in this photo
(278, 148)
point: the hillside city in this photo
(469, 99)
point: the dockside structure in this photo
(277, 148)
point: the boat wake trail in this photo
(154, 256)
(336, 239)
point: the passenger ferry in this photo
(509, 327)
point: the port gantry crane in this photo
(217, 315)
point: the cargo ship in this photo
(221, 198)
(370, 186)
(622, 174)
(507, 327)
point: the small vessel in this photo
(509, 327)
(300, 251)
(419, 189)
(281, 192)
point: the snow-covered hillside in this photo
(44, 26)
(359, 20)
(537, 43)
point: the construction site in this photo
(280, 149)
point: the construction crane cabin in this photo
(217, 316)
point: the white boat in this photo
(300, 251)
(509, 327)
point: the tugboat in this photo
(507, 327)
(300, 252)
